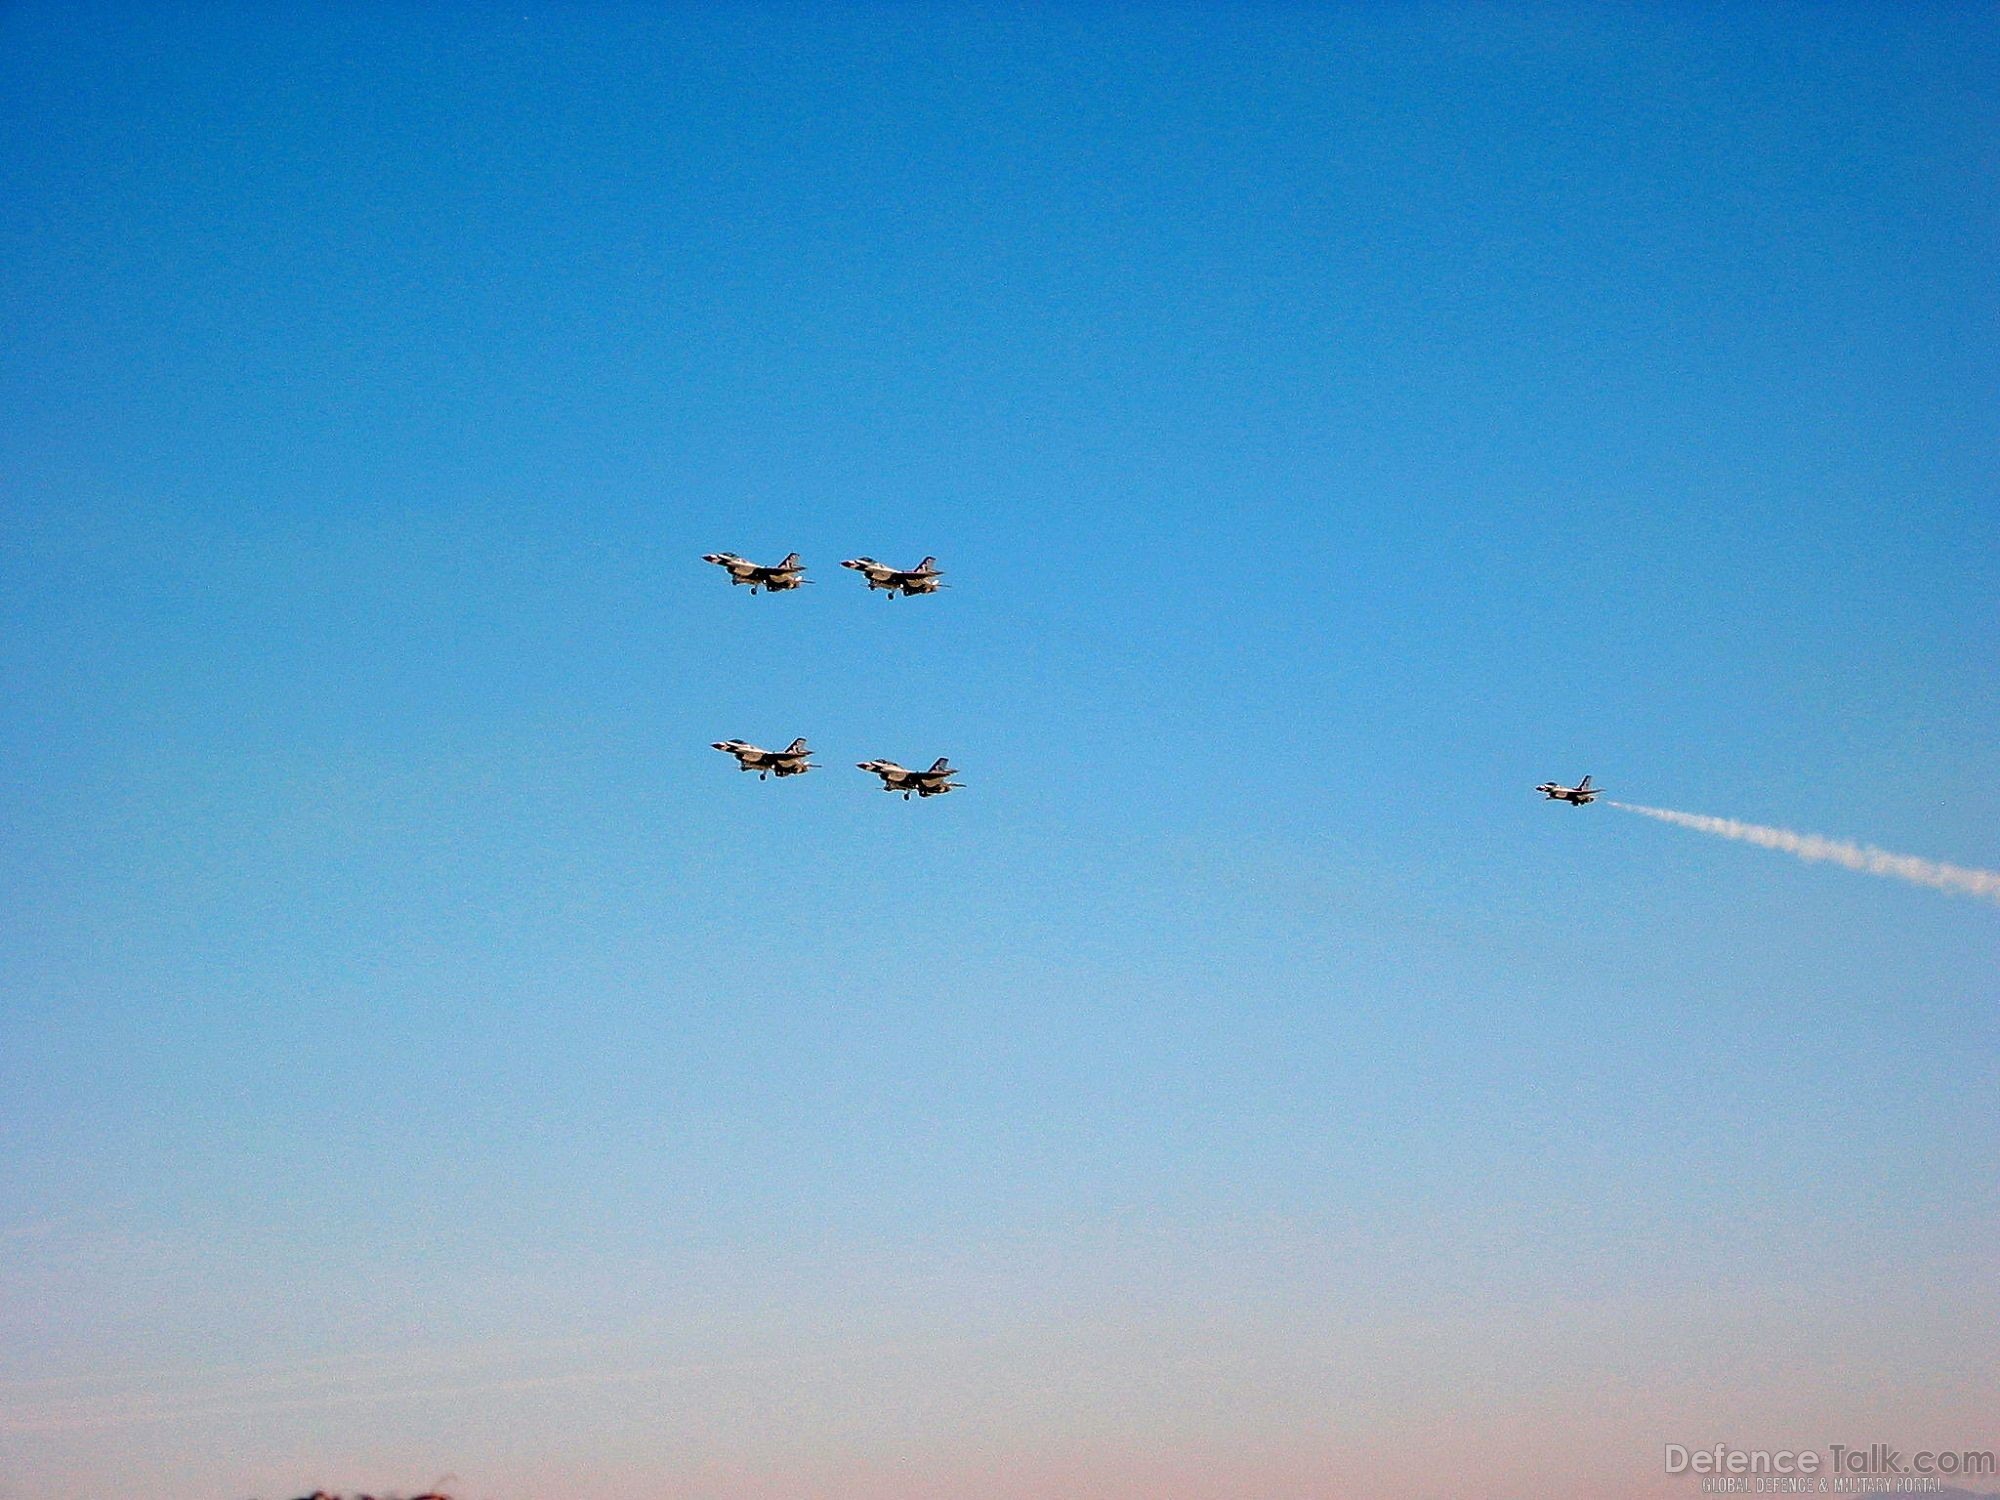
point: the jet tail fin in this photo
(1583, 785)
(928, 565)
(791, 560)
(942, 766)
(797, 747)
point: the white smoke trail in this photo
(1984, 884)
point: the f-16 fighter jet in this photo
(786, 575)
(1577, 796)
(932, 783)
(922, 579)
(793, 760)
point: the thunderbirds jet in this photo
(786, 575)
(922, 579)
(932, 783)
(1577, 796)
(790, 761)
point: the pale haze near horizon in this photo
(423, 1056)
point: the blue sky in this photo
(1333, 422)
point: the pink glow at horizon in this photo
(1233, 1364)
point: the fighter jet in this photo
(1577, 796)
(922, 579)
(793, 760)
(786, 575)
(932, 783)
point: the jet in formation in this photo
(932, 783)
(788, 574)
(793, 760)
(1577, 796)
(922, 579)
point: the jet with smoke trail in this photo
(1984, 884)
(1580, 795)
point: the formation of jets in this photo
(796, 758)
(924, 578)
(1576, 796)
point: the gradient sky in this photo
(421, 1055)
